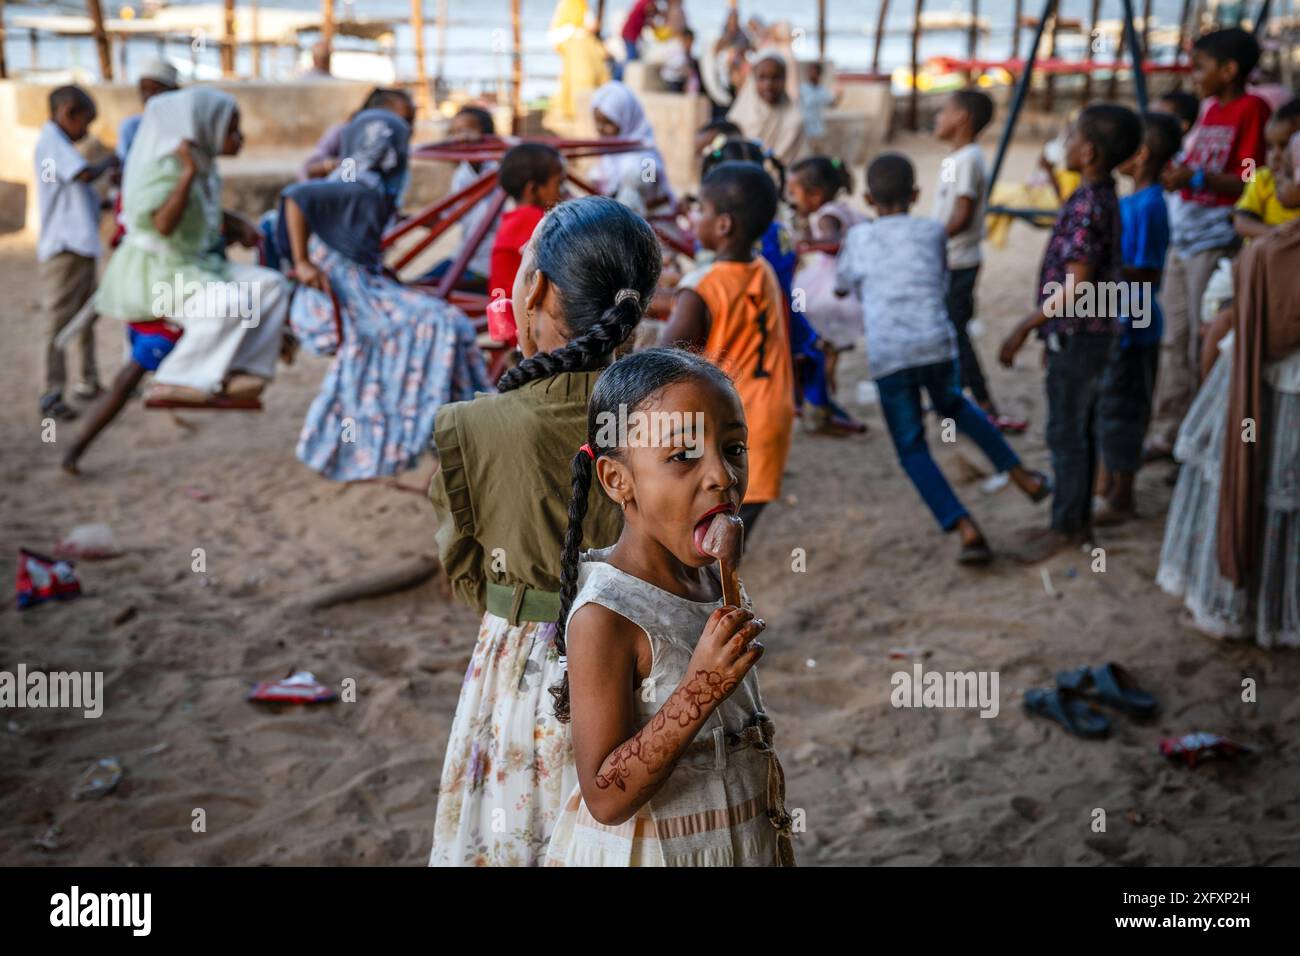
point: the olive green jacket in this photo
(502, 493)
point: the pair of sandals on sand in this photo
(1071, 702)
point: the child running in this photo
(1128, 383)
(531, 174)
(734, 311)
(502, 498)
(69, 243)
(815, 186)
(672, 743)
(1083, 255)
(897, 265)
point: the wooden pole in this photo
(327, 22)
(1182, 30)
(421, 78)
(442, 43)
(1049, 98)
(972, 38)
(1092, 43)
(600, 17)
(33, 43)
(881, 14)
(1015, 30)
(1112, 88)
(516, 69)
(101, 39)
(1146, 28)
(4, 67)
(914, 101)
(821, 29)
(257, 39)
(228, 42)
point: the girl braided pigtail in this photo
(581, 467)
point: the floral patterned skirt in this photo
(509, 762)
(404, 354)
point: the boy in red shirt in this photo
(1220, 156)
(531, 174)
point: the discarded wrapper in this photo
(725, 540)
(300, 687)
(1199, 746)
(42, 579)
(100, 778)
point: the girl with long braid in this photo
(502, 497)
(672, 745)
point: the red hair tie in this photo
(587, 448)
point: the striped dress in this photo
(724, 804)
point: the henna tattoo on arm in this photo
(657, 745)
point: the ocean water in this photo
(476, 51)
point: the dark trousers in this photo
(900, 400)
(1074, 374)
(749, 517)
(1127, 388)
(961, 309)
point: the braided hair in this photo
(740, 150)
(829, 175)
(592, 250)
(627, 384)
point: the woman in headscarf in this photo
(403, 352)
(170, 268)
(1232, 538)
(765, 109)
(636, 179)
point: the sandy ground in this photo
(357, 782)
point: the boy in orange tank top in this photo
(733, 311)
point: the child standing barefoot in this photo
(672, 743)
(501, 498)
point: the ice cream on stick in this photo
(725, 540)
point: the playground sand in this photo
(356, 783)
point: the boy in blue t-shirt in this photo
(1128, 382)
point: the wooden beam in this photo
(257, 38)
(516, 68)
(440, 70)
(914, 101)
(1015, 30)
(972, 38)
(881, 14)
(4, 67)
(821, 29)
(327, 22)
(101, 39)
(421, 77)
(1093, 37)
(228, 41)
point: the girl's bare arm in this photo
(620, 768)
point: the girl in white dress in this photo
(671, 741)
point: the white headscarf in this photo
(779, 127)
(199, 114)
(615, 173)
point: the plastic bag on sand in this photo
(42, 579)
(89, 542)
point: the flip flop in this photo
(1044, 487)
(1112, 685)
(1068, 709)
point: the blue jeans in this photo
(900, 400)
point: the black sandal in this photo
(974, 554)
(1111, 685)
(1068, 708)
(53, 404)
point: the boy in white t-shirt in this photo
(69, 243)
(959, 205)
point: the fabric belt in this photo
(522, 603)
